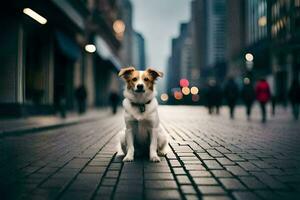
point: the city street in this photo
(210, 157)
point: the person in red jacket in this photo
(263, 95)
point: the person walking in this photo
(114, 99)
(294, 97)
(231, 94)
(248, 96)
(263, 94)
(214, 97)
(81, 96)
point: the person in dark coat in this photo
(213, 97)
(248, 96)
(294, 97)
(263, 95)
(231, 94)
(114, 101)
(81, 96)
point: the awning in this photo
(67, 46)
(105, 53)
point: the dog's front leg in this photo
(129, 144)
(153, 145)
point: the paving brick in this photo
(221, 173)
(211, 190)
(183, 179)
(245, 196)
(205, 181)
(237, 170)
(162, 194)
(188, 189)
(159, 176)
(160, 184)
(212, 164)
(231, 184)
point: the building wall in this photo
(11, 61)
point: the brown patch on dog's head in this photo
(149, 77)
(130, 75)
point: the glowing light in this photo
(164, 97)
(184, 83)
(34, 15)
(90, 48)
(194, 90)
(262, 21)
(178, 95)
(249, 57)
(185, 90)
(246, 80)
(195, 97)
(119, 26)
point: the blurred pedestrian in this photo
(114, 101)
(214, 97)
(294, 97)
(81, 96)
(60, 100)
(248, 96)
(262, 92)
(231, 94)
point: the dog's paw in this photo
(155, 159)
(162, 153)
(128, 159)
(120, 153)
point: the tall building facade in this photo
(284, 23)
(44, 62)
(181, 57)
(139, 51)
(208, 19)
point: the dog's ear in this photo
(154, 73)
(126, 72)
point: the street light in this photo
(34, 15)
(249, 57)
(91, 48)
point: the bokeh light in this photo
(246, 80)
(184, 83)
(194, 90)
(195, 97)
(249, 57)
(185, 90)
(178, 95)
(119, 26)
(164, 97)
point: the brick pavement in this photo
(211, 157)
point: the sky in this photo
(158, 21)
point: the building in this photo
(128, 37)
(180, 60)
(208, 21)
(235, 37)
(284, 23)
(44, 60)
(139, 51)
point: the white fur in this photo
(142, 128)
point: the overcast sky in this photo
(158, 21)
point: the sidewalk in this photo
(38, 123)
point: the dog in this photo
(143, 129)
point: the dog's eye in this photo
(146, 79)
(134, 79)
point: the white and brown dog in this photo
(143, 129)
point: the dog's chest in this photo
(142, 129)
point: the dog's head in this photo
(140, 81)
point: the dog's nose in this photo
(140, 86)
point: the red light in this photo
(178, 95)
(184, 83)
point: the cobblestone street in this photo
(210, 157)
